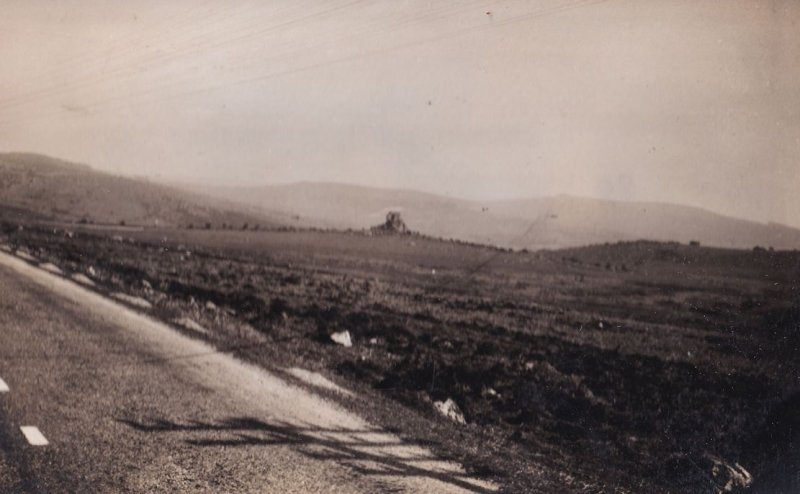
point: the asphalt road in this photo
(127, 404)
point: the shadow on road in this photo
(372, 452)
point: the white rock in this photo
(729, 477)
(211, 305)
(450, 409)
(342, 338)
(92, 272)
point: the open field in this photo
(634, 366)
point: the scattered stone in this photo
(92, 272)
(449, 409)
(82, 279)
(729, 478)
(342, 338)
(147, 284)
(48, 266)
(190, 324)
(211, 306)
(373, 341)
(130, 299)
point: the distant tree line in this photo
(225, 226)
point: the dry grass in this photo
(621, 365)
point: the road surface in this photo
(97, 398)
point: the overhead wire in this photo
(138, 64)
(199, 41)
(129, 98)
(129, 42)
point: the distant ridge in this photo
(41, 162)
(43, 188)
(34, 186)
(536, 223)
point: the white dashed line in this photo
(3, 386)
(34, 435)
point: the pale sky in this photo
(686, 101)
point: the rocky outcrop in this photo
(394, 225)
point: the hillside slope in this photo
(550, 222)
(38, 187)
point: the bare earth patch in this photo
(130, 299)
(190, 324)
(52, 268)
(24, 255)
(82, 279)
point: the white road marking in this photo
(3, 386)
(316, 379)
(34, 435)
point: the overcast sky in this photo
(686, 101)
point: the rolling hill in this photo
(549, 222)
(42, 188)
(38, 187)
